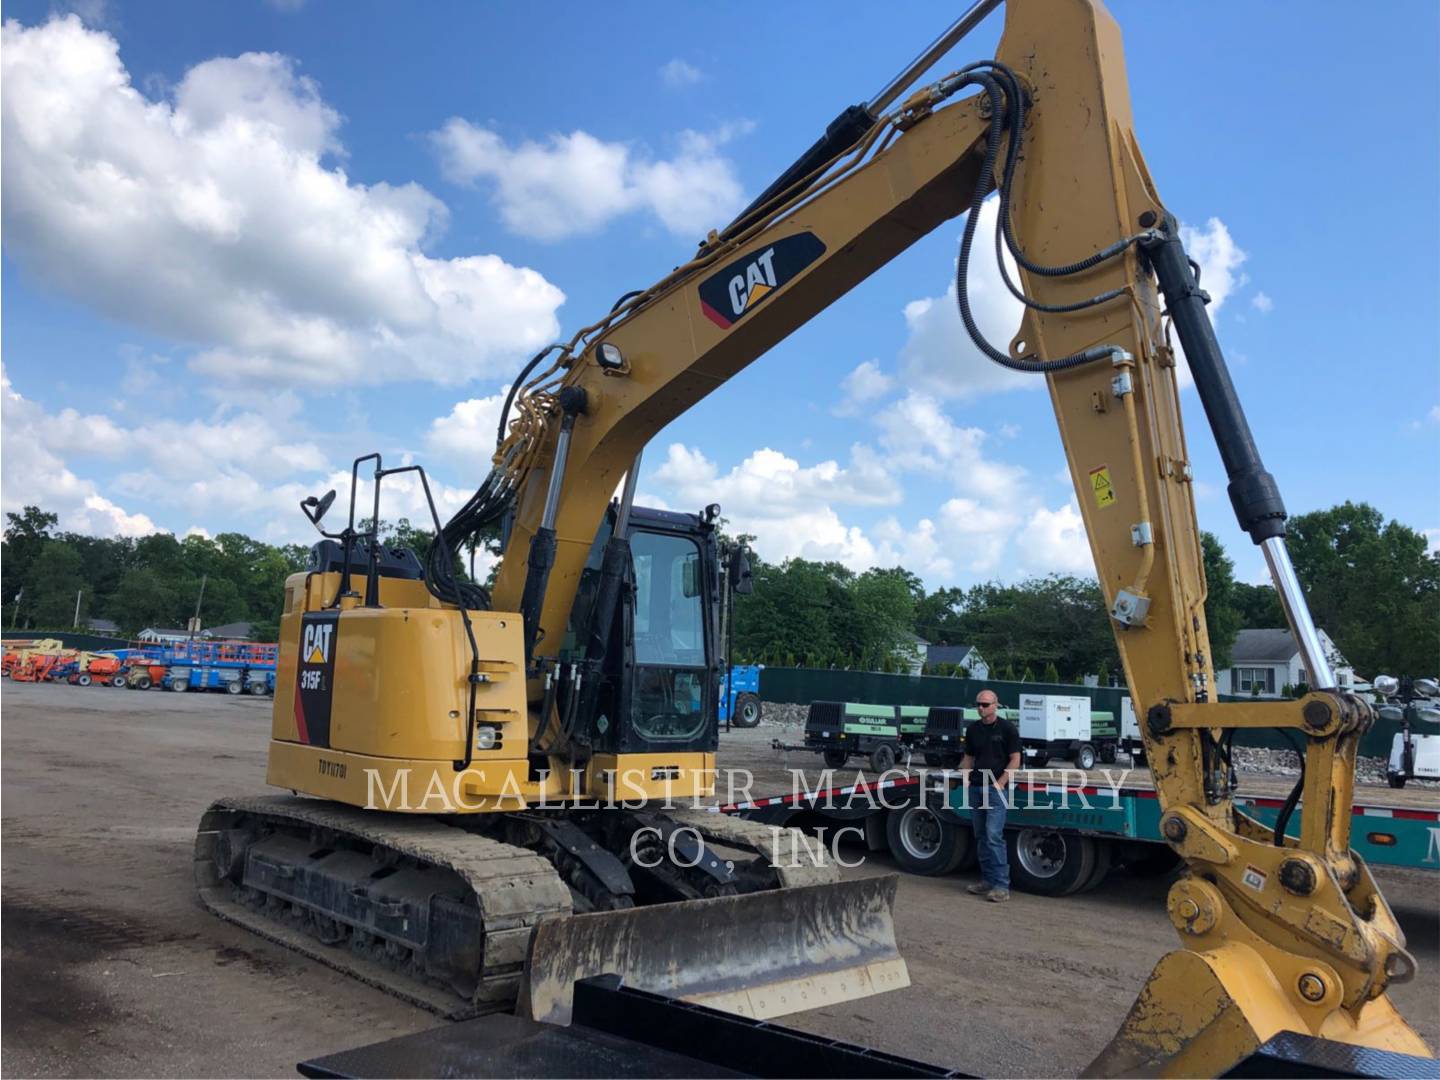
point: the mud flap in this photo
(760, 955)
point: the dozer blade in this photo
(760, 954)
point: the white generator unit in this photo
(1052, 725)
(1424, 762)
(1131, 741)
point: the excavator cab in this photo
(665, 632)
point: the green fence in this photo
(800, 686)
(71, 639)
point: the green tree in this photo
(26, 534)
(1371, 586)
(56, 578)
(1222, 616)
(146, 598)
(1050, 675)
(1259, 607)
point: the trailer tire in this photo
(1085, 756)
(746, 713)
(922, 842)
(1048, 862)
(836, 759)
(82, 680)
(1108, 753)
(882, 758)
(1104, 860)
(1395, 780)
(934, 758)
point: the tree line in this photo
(1371, 585)
(1370, 582)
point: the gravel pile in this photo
(1368, 770)
(775, 714)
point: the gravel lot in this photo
(110, 967)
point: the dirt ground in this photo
(110, 967)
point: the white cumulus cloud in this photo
(31, 473)
(575, 184)
(862, 387)
(466, 435)
(220, 219)
(677, 73)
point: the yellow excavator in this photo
(485, 781)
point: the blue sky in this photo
(244, 243)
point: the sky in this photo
(244, 243)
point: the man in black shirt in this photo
(992, 755)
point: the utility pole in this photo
(15, 615)
(195, 622)
(75, 625)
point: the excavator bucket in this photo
(760, 955)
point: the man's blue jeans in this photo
(987, 818)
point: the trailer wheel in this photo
(234, 686)
(1108, 753)
(882, 758)
(836, 759)
(1104, 860)
(922, 842)
(1085, 756)
(82, 680)
(934, 758)
(746, 713)
(1048, 862)
(1395, 780)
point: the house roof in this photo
(163, 631)
(948, 654)
(231, 630)
(1262, 646)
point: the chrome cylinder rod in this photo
(557, 474)
(938, 48)
(627, 498)
(1297, 613)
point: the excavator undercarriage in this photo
(464, 916)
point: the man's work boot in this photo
(980, 888)
(997, 896)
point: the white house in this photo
(966, 656)
(1270, 660)
(161, 634)
(912, 654)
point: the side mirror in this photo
(1427, 688)
(315, 509)
(742, 578)
(1386, 684)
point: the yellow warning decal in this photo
(1100, 484)
(315, 657)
